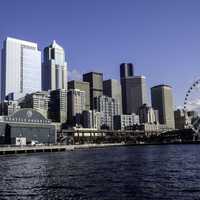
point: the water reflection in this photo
(142, 172)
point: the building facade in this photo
(76, 105)
(9, 107)
(162, 100)
(126, 70)
(83, 86)
(38, 101)
(91, 119)
(108, 107)
(58, 105)
(95, 80)
(54, 68)
(121, 122)
(28, 124)
(20, 69)
(180, 118)
(112, 88)
(148, 115)
(134, 92)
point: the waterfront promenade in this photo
(50, 148)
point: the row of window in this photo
(13, 119)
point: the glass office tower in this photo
(54, 68)
(20, 68)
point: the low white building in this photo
(123, 121)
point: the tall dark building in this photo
(134, 93)
(162, 100)
(126, 70)
(112, 88)
(96, 85)
(58, 105)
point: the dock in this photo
(51, 148)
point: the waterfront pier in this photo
(50, 148)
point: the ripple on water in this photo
(145, 172)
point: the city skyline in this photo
(56, 75)
(151, 35)
(99, 99)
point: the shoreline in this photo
(60, 148)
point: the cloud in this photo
(74, 75)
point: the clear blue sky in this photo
(161, 37)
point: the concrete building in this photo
(121, 122)
(91, 119)
(29, 125)
(9, 107)
(20, 69)
(148, 115)
(76, 105)
(38, 101)
(162, 100)
(112, 88)
(134, 92)
(150, 129)
(108, 107)
(180, 119)
(54, 68)
(95, 80)
(83, 86)
(58, 105)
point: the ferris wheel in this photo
(192, 106)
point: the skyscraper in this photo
(83, 86)
(54, 68)
(126, 70)
(76, 105)
(162, 100)
(112, 88)
(96, 85)
(20, 69)
(134, 92)
(108, 107)
(58, 105)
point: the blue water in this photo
(137, 172)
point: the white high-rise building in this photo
(109, 107)
(54, 68)
(20, 69)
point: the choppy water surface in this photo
(137, 172)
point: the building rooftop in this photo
(24, 42)
(98, 73)
(161, 85)
(78, 81)
(55, 45)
